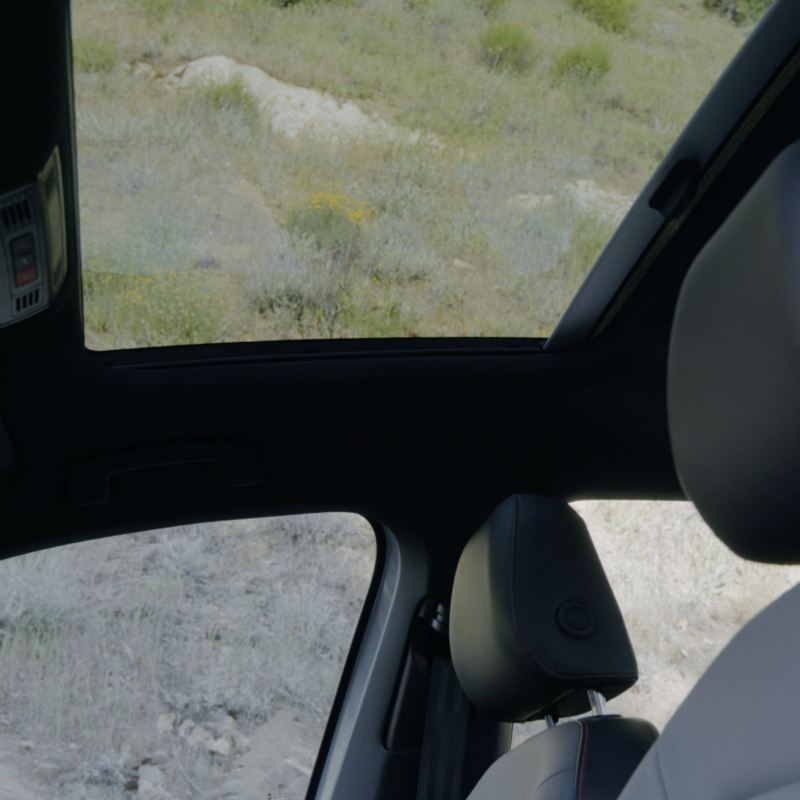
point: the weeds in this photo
(587, 63)
(165, 308)
(213, 625)
(93, 55)
(176, 180)
(742, 12)
(491, 8)
(232, 99)
(611, 15)
(506, 46)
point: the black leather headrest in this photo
(734, 372)
(533, 621)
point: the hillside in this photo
(504, 140)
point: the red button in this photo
(26, 276)
(23, 259)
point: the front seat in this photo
(733, 391)
(535, 632)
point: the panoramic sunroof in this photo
(252, 170)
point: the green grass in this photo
(506, 46)
(233, 99)
(584, 62)
(611, 15)
(148, 310)
(93, 55)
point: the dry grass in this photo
(172, 179)
(208, 624)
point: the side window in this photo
(683, 594)
(194, 662)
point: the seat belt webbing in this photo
(444, 740)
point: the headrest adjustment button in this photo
(575, 619)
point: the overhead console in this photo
(32, 245)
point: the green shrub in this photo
(506, 46)
(742, 12)
(233, 99)
(330, 222)
(93, 55)
(611, 15)
(584, 62)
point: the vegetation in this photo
(611, 15)
(584, 62)
(742, 12)
(491, 8)
(467, 217)
(93, 55)
(506, 46)
(164, 308)
(179, 648)
(231, 98)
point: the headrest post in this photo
(598, 703)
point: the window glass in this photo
(289, 169)
(197, 662)
(682, 593)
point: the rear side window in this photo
(195, 662)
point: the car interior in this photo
(674, 374)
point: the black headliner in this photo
(401, 431)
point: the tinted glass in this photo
(279, 169)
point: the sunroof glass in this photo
(255, 170)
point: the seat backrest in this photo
(734, 414)
(737, 734)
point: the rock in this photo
(292, 110)
(150, 782)
(165, 723)
(222, 746)
(150, 777)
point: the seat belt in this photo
(444, 740)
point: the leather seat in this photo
(733, 392)
(535, 632)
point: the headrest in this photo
(533, 621)
(733, 387)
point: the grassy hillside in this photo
(530, 128)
